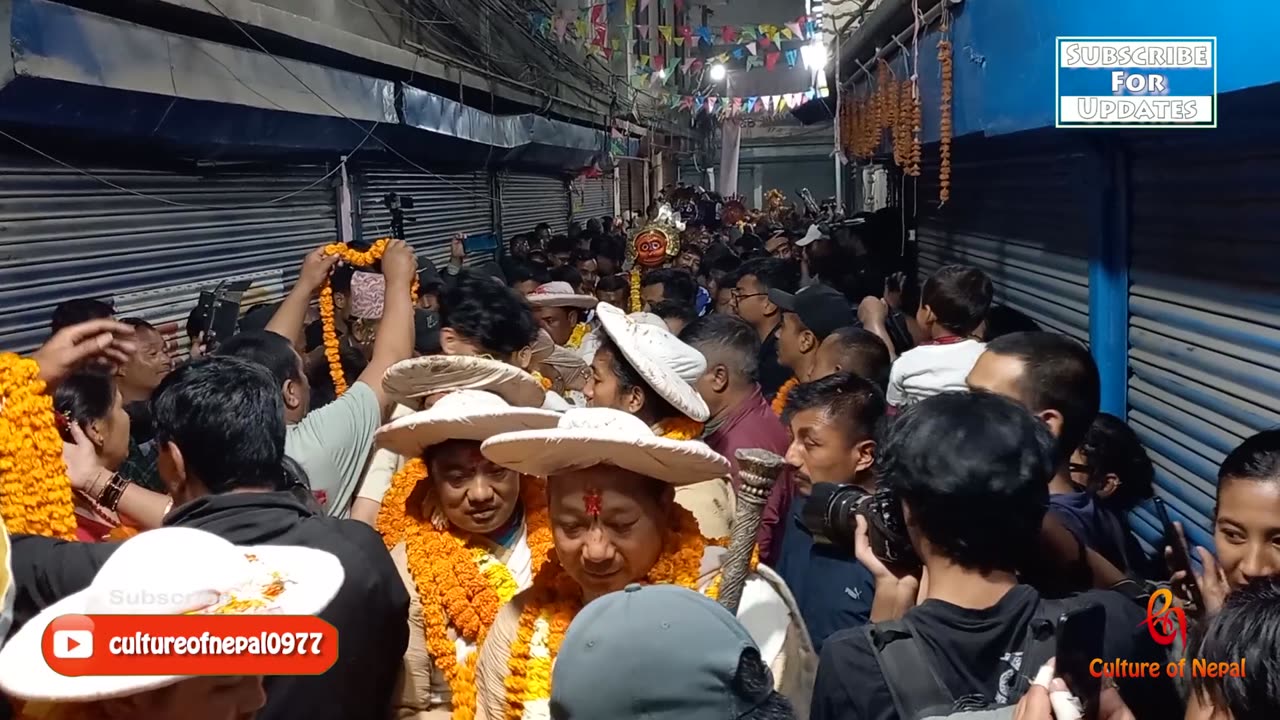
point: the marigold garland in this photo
(546, 382)
(945, 121)
(780, 400)
(680, 428)
(332, 346)
(636, 304)
(555, 599)
(35, 493)
(580, 332)
(461, 585)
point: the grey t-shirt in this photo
(333, 444)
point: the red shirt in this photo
(752, 424)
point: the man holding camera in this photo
(971, 474)
(833, 425)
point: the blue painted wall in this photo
(1004, 52)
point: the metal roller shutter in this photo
(528, 200)
(1204, 328)
(1019, 214)
(66, 235)
(625, 171)
(443, 206)
(592, 198)
(632, 183)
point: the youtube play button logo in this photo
(69, 637)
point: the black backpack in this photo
(918, 691)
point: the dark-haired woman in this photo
(95, 428)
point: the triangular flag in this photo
(782, 103)
(739, 52)
(644, 61)
(597, 14)
(737, 104)
(786, 34)
(792, 56)
(754, 62)
(616, 43)
(631, 8)
(697, 64)
(751, 48)
(747, 32)
(723, 58)
(581, 27)
(691, 41)
(729, 34)
(795, 30)
(687, 62)
(764, 40)
(659, 62)
(811, 28)
(771, 60)
(644, 31)
(704, 34)
(560, 28)
(751, 103)
(608, 53)
(644, 4)
(679, 5)
(711, 104)
(665, 32)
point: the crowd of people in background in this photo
(525, 473)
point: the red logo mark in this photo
(1167, 622)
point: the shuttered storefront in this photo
(1020, 214)
(1204, 329)
(528, 200)
(632, 181)
(443, 206)
(66, 235)
(592, 197)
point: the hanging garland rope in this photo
(355, 258)
(945, 126)
(35, 493)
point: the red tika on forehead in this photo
(591, 501)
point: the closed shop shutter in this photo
(1204, 303)
(632, 180)
(443, 206)
(1020, 214)
(529, 200)
(151, 251)
(592, 198)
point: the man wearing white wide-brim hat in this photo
(154, 574)
(415, 384)
(611, 497)
(642, 369)
(561, 311)
(455, 513)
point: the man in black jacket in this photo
(220, 432)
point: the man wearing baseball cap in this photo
(808, 317)
(698, 662)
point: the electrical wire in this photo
(330, 105)
(175, 203)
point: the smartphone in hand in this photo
(1179, 557)
(1080, 641)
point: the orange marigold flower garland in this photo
(35, 494)
(554, 600)
(543, 380)
(460, 584)
(780, 400)
(680, 428)
(355, 258)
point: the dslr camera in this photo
(829, 516)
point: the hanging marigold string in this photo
(555, 599)
(460, 583)
(580, 332)
(780, 400)
(902, 129)
(35, 493)
(636, 304)
(546, 382)
(945, 129)
(913, 158)
(332, 346)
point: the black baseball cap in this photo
(426, 336)
(821, 308)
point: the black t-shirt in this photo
(773, 374)
(979, 652)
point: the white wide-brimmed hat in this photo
(435, 374)
(560, 294)
(587, 437)
(170, 571)
(668, 365)
(461, 415)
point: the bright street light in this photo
(815, 56)
(718, 72)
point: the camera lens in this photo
(828, 513)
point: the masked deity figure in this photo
(655, 245)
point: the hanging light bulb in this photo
(815, 56)
(718, 72)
